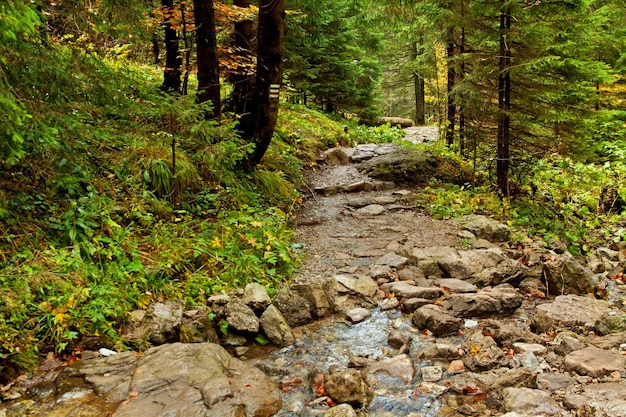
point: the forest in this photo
(156, 150)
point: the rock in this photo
(294, 308)
(603, 399)
(507, 271)
(515, 378)
(611, 322)
(255, 296)
(389, 303)
(384, 199)
(531, 402)
(240, 317)
(455, 285)
(347, 386)
(409, 306)
(578, 314)
(160, 323)
(412, 274)
(341, 410)
(275, 326)
(566, 342)
(427, 259)
(330, 190)
(198, 328)
(359, 186)
(431, 373)
(609, 341)
(566, 276)
(503, 299)
(456, 367)
(594, 362)
(436, 351)
(320, 296)
(336, 156)
(364, 286)
(552, 382)
(392, 260)
(506, 334)
(195, 380)
(397, 339)
(466, 264)
(371, 210)
(395, 121)
(403, 289)
(533, 348)
(399, 368)
(485, 227)
(436, 319)
(482, 352)
(357, 315)
(380, 271)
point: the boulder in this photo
(194, 380)
(530, 402)
(240, 317)
(482, 352)
(603, 399)
(507, 271)
(341, 410)
(465, 264)
(410, 305)
(485, 227)
(255, 296)
(320, 295)
(594, 362)
(506, 334)
(346, 385)
(571, 312)
(393, 260)
(275, 326)
(436, 319)
(427, 259)
(357, 315)
(360, 285)
(611, 322)
(294, 308)
(566, 276)
(500, 300)
(197, 327)
(336, 156)
(160, 323)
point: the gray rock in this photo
(357, 315)
(410, 305)
(507, 271)
(431, 373)
(566, 276)
(604, 399)
(198, 327)
(399, 368)
(392, 260)
(275, 326)
(362, 285)
(194, 380)
(533, 348)
(380, 271)
(320, 295)
(160, 323)
(240, 317)
(594, 362)
(571, 312)
(255, 296)
(503, 299)
(388, 303)
(347, 386)
(552, 382)
(482, 352)
(403, 289)
(358, 201)
(506, 334)
(371, 210)
(294, 308)
(515, 378)
(427, 259)
(341, 410)
(455, 285)
(485, 227)
(436, 319)
(436, 351)
(530, 402)
(397, 339)
(465, 264)
(609, 341)
(567, 342)
(336, 156)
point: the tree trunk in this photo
(418, 82)
(268, 77)
(208, 64)
(462, 144)
(451, 84)
(173, 61)
(243, 81)
(504, 102)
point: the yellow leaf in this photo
(217, 243)
(475, 350)
(256, 224)
(59, 317)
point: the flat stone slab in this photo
(577, 313)
(364, 286)
(403, 289)
(455, 285)
(594, 362)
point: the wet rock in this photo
(275, 326)
(197, 327)
(392, 260)
(160, 323)
(399, 367)
(397, 339)
(482, 352)
(594, 362)
(436, 319)
(503, 299)
(403, 289)
(485, 227)
(362, 285)
(431, 373)
(320, 295)
(342, 410)
(336, 156)
(409, 306)
(240, 317)
(357, 315)
(555, 381)
(566, 276)
(197, 379)
(455, 285)
(578, 314)
(371, 210)
(530, 402)
(294, 308)
(347, 386)
(255, 296)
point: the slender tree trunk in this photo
(187, 46)
(504, 102)
(208, 64)
(243, 80)
(418, 82)
(462, 144)
(451, 84)
(173, 61)
(268, 77)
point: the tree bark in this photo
(504, 102)
(173, 61)
(268, 77)
(462, 144)
(451, 84)
(418, 82)
(208, 64)
(243, 81)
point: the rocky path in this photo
(393, 313)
